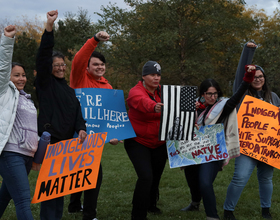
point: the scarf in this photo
(230, 127)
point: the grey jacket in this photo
(8, 92)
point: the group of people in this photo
(60, 115)
(201, 177)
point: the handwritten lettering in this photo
(73, 145)
(260, 150)
(90, 100)
(268, 140)
(172, 154)
(246, 123)
(56, 186)
(245, 135)
(217, 157)
(259, 111)
(205, 150)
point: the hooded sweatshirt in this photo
(80, 77)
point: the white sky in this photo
(13, 9)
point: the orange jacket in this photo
(80, 77)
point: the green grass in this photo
(118, 184)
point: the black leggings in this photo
(149, 165)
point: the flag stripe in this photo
(190, 137)
(177, 98)
(164, 99)
(170, 108)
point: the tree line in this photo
(190, 39)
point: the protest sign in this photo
(178, 112)
(207, 145)
(69, 167)
(259, 130)
(104, 111)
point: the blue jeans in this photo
(200, 180)
(244, 167)
(207, 175)
(14, 169)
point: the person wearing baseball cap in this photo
(147, 154)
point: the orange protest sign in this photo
(259, 130)
(69, 167)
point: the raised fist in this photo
(10, 31)
(102, 36)
(52, 16)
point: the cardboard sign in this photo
(104, 111)
(259, 130)
(207, 145)
(69, 167)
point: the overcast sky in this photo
(13, 9)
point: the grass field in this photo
(118, 184)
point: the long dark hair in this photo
(206, 84)
(18, 64)
(266, 92)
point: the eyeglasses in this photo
(59, 65)
(210, 94)
(258, 77)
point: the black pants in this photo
(90, 200)
(149, 165)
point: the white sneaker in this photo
(95, 219)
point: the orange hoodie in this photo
(80, 77)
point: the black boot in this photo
(154, 210)
(191, 207)
(266, 214)
(228, 215)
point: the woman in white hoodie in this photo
(18, 131)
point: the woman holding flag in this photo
(147, 154)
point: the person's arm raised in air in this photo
(81, 59)
(44, 55)
(6, 54)
(245, 59)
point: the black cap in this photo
(151, 67)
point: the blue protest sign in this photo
(104, 111)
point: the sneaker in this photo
(228, 215)
(190, 207)
(266, 214)
(154, 210)
(95, 219)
